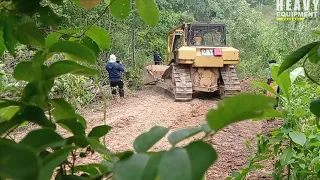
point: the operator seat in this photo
(197, 40)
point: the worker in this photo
(270, 80)
(156, 58)
(197, 39)
(217, 37)
(114, 69)
(269, 71)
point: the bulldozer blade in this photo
(153, 73)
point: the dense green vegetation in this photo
(252, 29)
(53, 57)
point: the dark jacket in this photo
(114, 70)
(157, 57)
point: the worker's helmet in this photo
(112, 58)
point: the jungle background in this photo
(252, 28)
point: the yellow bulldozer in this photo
(199, 60)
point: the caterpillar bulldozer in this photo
(199, 60)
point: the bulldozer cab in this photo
(201, 34)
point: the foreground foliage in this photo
(43, 151)
(295, 146)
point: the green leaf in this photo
(90, 169)
(95, 144)
(189, 163)
(17, 161)
(53, 160)
(8, 112)
(314, 54)
(151, 169)
(36, 115)
(315, 107)
(295, 56)
(41, 139)
(270, 113)
(286, 156)
(182, 134)
(314, 160)
(48, 17)
(267, 87)
(29, 34)
(68, 67)
(283, 80)
(235, 174)
(78, 51)
(25, 71)
(317, 169)
(2, 44)
(228, 111)
(260, 158)
(9, 38)
(47, 85)
(142, 166)
(80, 141)
(120, 8)
(28, 7)
(93, 170)
(38, 60)
(317, 122)
(201, 157)
(148, 11)
(316, 32)
(99, 131)
(108, 164)
(299, 112)
(146, 140)
(8, 125)
(6, 103)
(62, 109)
(296, 73)
(136, 163)
(206, 128)
(54, 37)
(24, 19)
(81, 120)
(100, 36)
(123, 155)
(73, 126)
(35, 94)
(91, 44)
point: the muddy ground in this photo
(151, 107)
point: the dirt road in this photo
(152, 107)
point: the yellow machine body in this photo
(199, 61)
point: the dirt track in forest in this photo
(151, 107)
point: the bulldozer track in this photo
(230, 80)
(182, 83)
